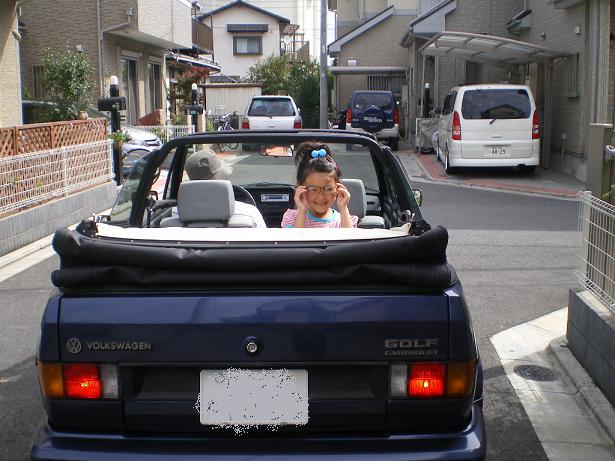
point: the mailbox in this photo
(194, 110)
(110, 104)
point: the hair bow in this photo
(319, 153)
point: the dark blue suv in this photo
(375, 112)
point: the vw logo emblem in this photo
(73, 345)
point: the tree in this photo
(300, 80)
(66, 79)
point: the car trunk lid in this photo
(346, 343)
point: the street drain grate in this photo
(535, 373)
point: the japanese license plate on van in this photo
(497, 151)
(253, 397)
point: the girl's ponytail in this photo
(315, 156)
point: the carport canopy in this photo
(500, 52)
(487, 49)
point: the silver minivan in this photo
(488, 125)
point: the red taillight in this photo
(396, 117)
(427, 380)
(349, 116)
(82, 381)
(245, 124)
(297, 124)
(535, 123)
(456, 126)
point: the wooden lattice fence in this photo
(44, 136)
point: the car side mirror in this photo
(437, 111)
(418, 196)
(298, 111)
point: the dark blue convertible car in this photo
(179, 331)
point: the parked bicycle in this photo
(225, 123)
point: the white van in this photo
(488, 125)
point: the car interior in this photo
(264, 178)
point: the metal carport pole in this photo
(545, 154)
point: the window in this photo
(271, 107)
(499, 104)
(449, 103)
(129, 89)
(385, 83)
(38, 90)
(573, 75)
(155, 98)
(247, 45)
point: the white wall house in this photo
(305, 13)
(243, 35)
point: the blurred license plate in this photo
(245, 397)
(497, 151)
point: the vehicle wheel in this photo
(447, 166)
(249, 147)
(394, 144)
(232, 145)
(528, 169)
(372, 120)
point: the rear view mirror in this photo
(276, 151)
(418, 196)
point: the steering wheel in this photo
(242, 195)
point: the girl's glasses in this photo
(328, 190)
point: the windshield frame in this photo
(381, 154)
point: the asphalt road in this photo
(514, 254)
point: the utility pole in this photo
(324, 87)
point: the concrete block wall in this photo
(31, 225)
(591, 338)
(10, 100)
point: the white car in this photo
(271, 113)
(489, 125)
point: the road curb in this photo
(589, 392)
(485, 184)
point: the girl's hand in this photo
(301, 199)
(343, 196)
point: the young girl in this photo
(318, 187)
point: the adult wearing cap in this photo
(204, 164)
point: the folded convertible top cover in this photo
(88, 263)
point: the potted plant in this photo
(119, 137)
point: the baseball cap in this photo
(204, 164)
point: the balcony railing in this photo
(202, 36)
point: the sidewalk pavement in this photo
(550, 182)
(572, 418)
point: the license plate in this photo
(253, 397)
(497, 151)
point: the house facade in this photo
(10, 96)
(583, 84)
(126, 38)
(305, 13)
(367, 53)
(243, 35)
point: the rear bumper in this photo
(385, 133)
(468, 444)
(473, 154)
